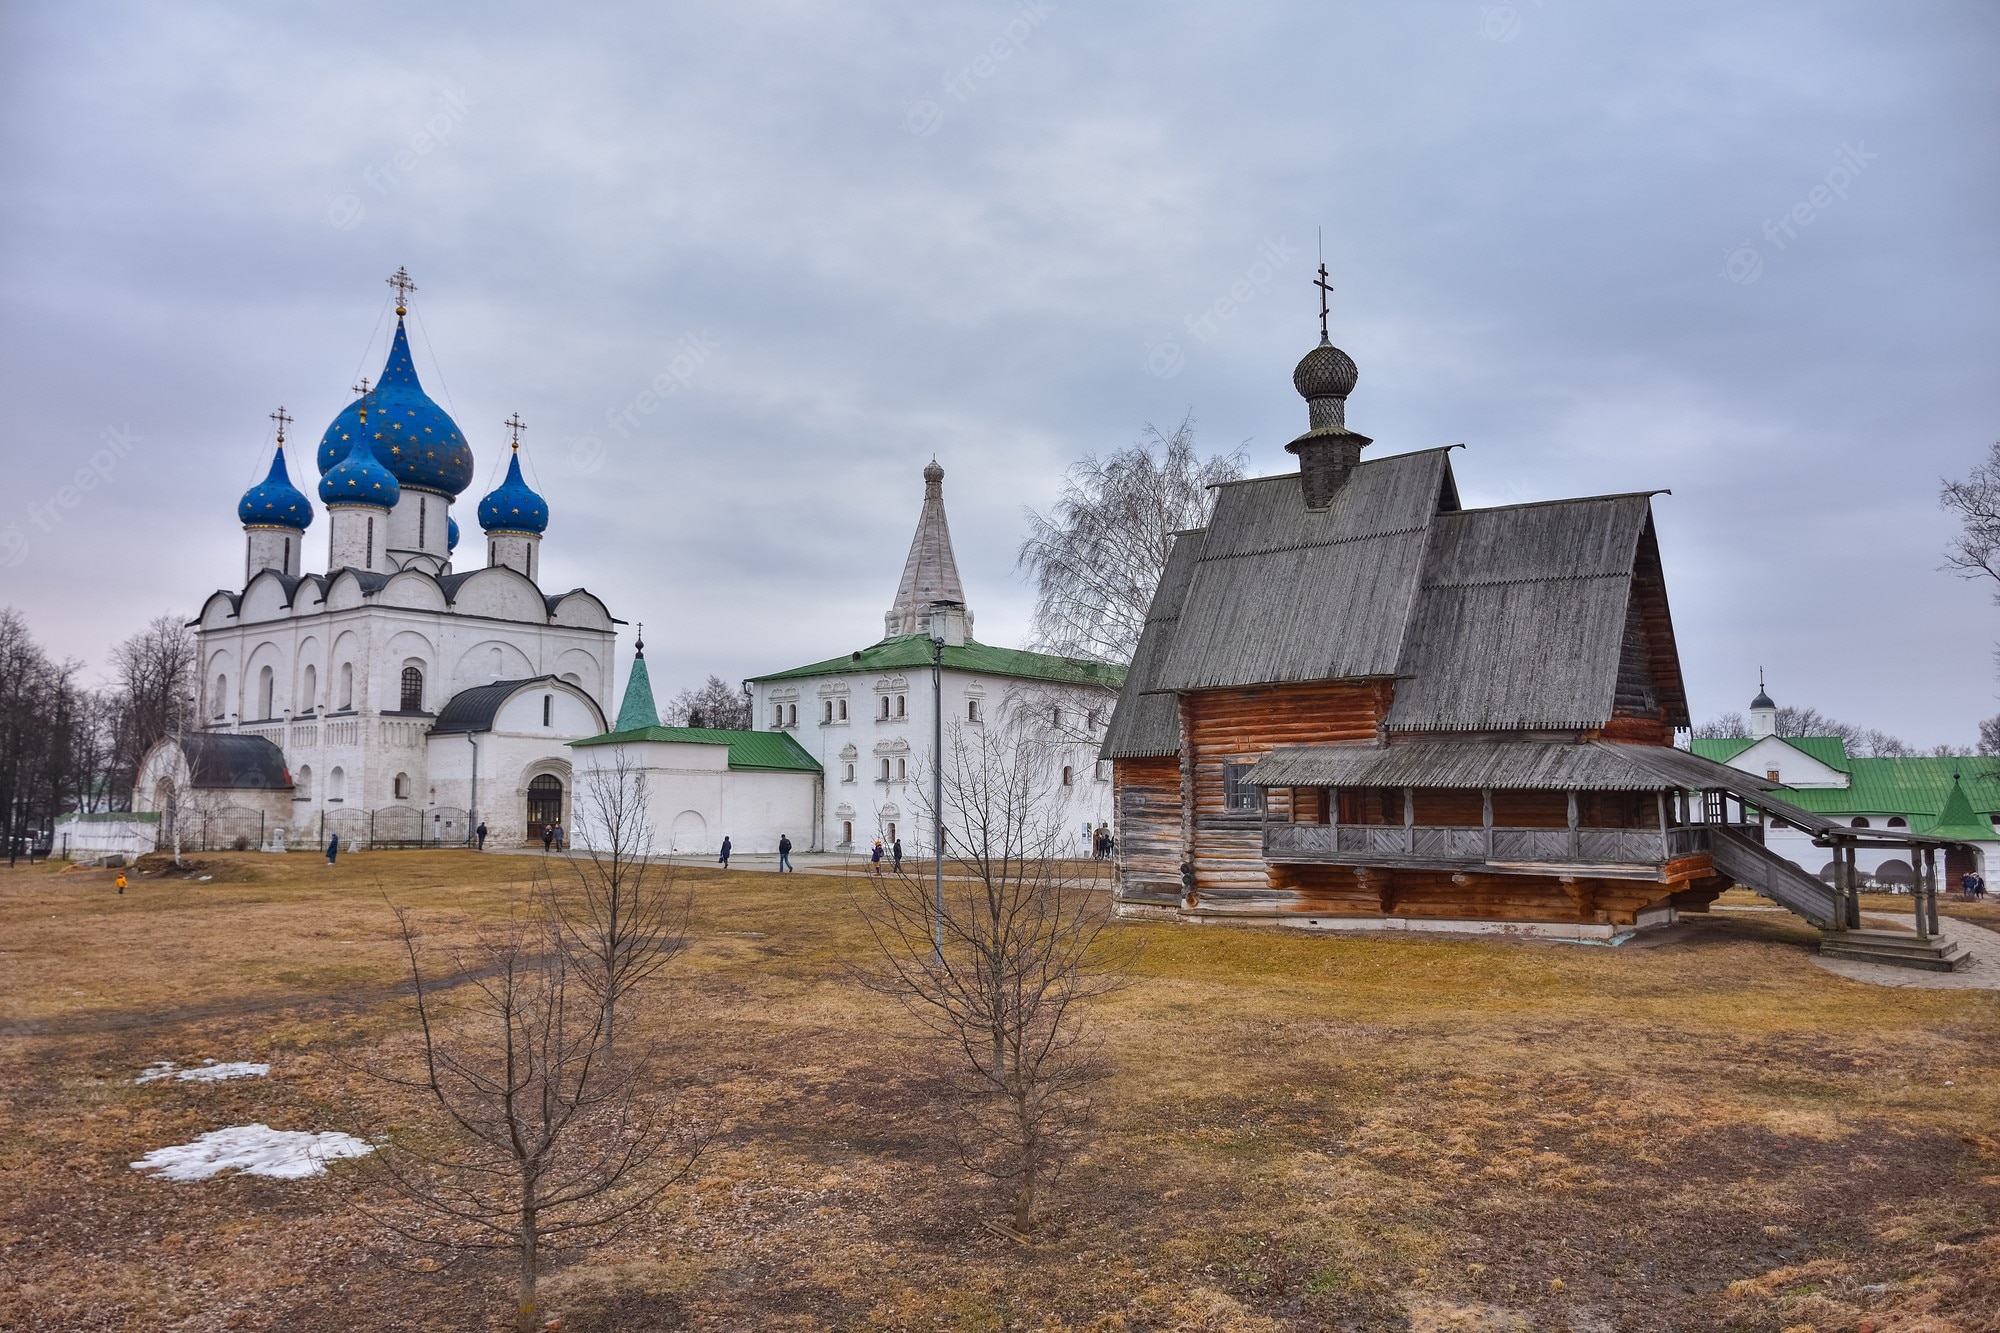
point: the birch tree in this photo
(1096, 557)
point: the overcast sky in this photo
(844, 239)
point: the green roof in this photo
(910, 652)
(1829, 750)
(747, 749)
(637, 710)
(1956, 820)
(1948, 797)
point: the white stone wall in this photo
(871, 804)
(694, 799)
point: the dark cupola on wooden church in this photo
(1357, 702)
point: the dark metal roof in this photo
(218, 759)
(1521, 621)
(1284, 593)
(1149, 723)
(1550, 765)
(450, 583)
(474, 709)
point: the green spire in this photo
(637, 711)
(1957, 821)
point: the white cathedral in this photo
(394, 698)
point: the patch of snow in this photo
(253, 1150)
(208, 1071)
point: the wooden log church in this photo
(1357, 703)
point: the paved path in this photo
(1982, 973)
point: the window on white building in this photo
(885, 770)
(902, 770)
(1090, 720)
(850, 774)
(309, 695)
(794, 712)
(885, 705)
(267, 692)
(347, 684)
(972, 710)
(401, 786)
(1858, 822)
(829, 711)
(412, 700)
(221, 697)
(1897, 821)
(1068, 777)
(548, 710)
(901, 711)
(843, 710)
(847, 830)
(302, 782)
(777, 716)
(336, 784)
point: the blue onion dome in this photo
(415, 438)
(360, 479)
(450, 534)
(274, 502)
(513, 507)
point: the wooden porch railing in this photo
(1617, 846)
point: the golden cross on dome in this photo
(400, 280)
(516, 425)
(362, 389)
(284, 419)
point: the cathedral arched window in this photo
(401, 786)
(413, 690)
(336, 784)
(267, 690)
(347, 684)
(309, 691)
(302, 782)
(221, 697)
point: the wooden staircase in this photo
(1895, 948)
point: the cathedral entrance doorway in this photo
(545, 805)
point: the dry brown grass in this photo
(1697, 1130)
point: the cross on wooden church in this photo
(515, 425)
(1324, 291)
(400, 280)
(284, 419)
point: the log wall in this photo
(1242, 726)
(1440, 895)
(1147, 796)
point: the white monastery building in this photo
(866, 716)
(394, 697)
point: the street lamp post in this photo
(939, 620)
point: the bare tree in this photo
(1989, 736)
(1975, 551)
(717, 704)
(1003, 977)
(540, 1139)
(156, 692)
(1794, 721)
(618, 915)
(1096, 558)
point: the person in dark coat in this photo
(548, 836)
(784, 853)
(896, 855)
(724, 858)
(480, 833)
(332, 849)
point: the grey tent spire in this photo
(931, 573)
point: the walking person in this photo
(724, 858)
(559, 835)
(480, 833)
(332, 848)
(875, 860)
(548, 837)
(784, 853)
(121, 882)
(897, 852)
(1972, 884)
